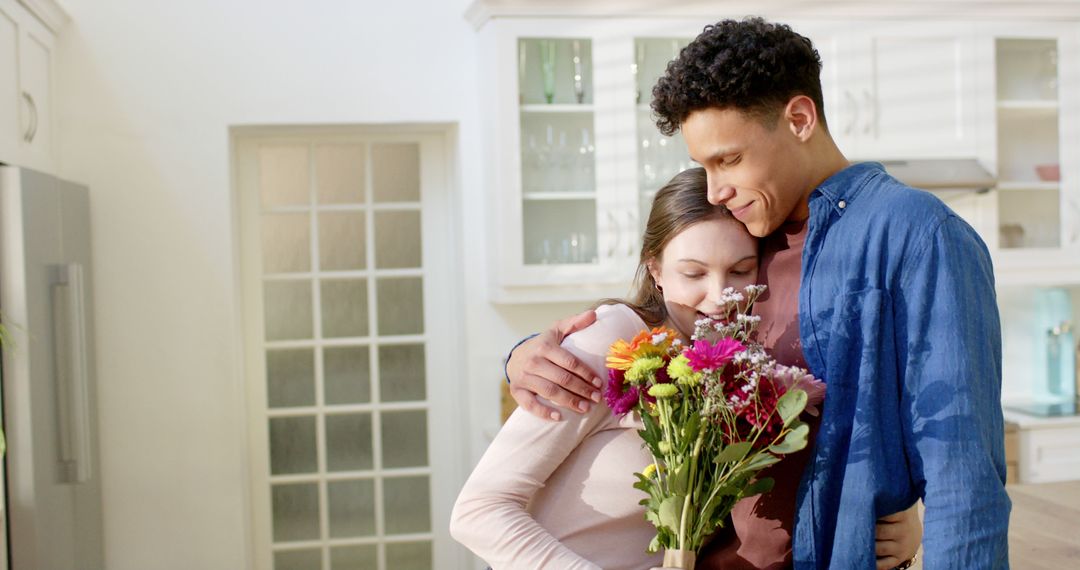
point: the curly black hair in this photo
(751, 65)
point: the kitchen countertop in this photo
(1030, 421)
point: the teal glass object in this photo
(1055, 360)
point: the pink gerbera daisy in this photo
(705, 355)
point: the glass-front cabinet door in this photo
(577, 154)
(564, 184)
(1035, 231)
(558, 152)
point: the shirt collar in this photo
(843, 188)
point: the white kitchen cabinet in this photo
(571, 182)
(26, 89)
(1045, 449)
(899, 90)
(1034, 226)
(9, 80)
(562, 225)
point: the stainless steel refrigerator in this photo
(52, 483)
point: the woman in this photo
(559, 494)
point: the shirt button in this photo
(842, 204)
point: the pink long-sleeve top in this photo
(560, 495)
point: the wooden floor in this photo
(1044, 529)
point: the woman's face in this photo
(700, 262)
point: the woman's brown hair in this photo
(681, 203)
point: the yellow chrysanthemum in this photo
(680, 371)
(644, 369)
(663, 390)
(649, 471)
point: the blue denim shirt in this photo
(897, 313)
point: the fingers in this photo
(528, 402)
(888, 531)
(559, 386)
(554, 363)
(589, 381)
(541, 367)
(567, 327)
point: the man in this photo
(881, 291)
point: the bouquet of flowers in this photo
(716, 411)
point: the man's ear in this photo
(800, 115)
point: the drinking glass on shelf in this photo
(562, 161)
(547, 68)
(543, 251)
(530, 166)
(579, 84)
(585, 163)
(1049, 80)
(544, 160)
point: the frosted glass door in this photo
(343, 348)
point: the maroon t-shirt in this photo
(760, 533)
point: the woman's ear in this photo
(654, 269)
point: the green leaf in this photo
(734, 452)
(759, 486)
(761, 461)
(794, 441)
(790, 405)
(690, 430)
(678, 480)
(670, 512)
(654, 545)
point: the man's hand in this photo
(541, 367)
(898, 538)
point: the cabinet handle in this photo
(854, 106)
(31, 131)
(871, 112)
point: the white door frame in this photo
(443, 320)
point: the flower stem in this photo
(690, 486)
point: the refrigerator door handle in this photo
(72, 372)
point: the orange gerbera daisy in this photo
(646, 343)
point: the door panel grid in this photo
(344, 350)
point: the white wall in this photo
(146, 94)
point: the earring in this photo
(658, 288)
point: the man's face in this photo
(755, 171)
